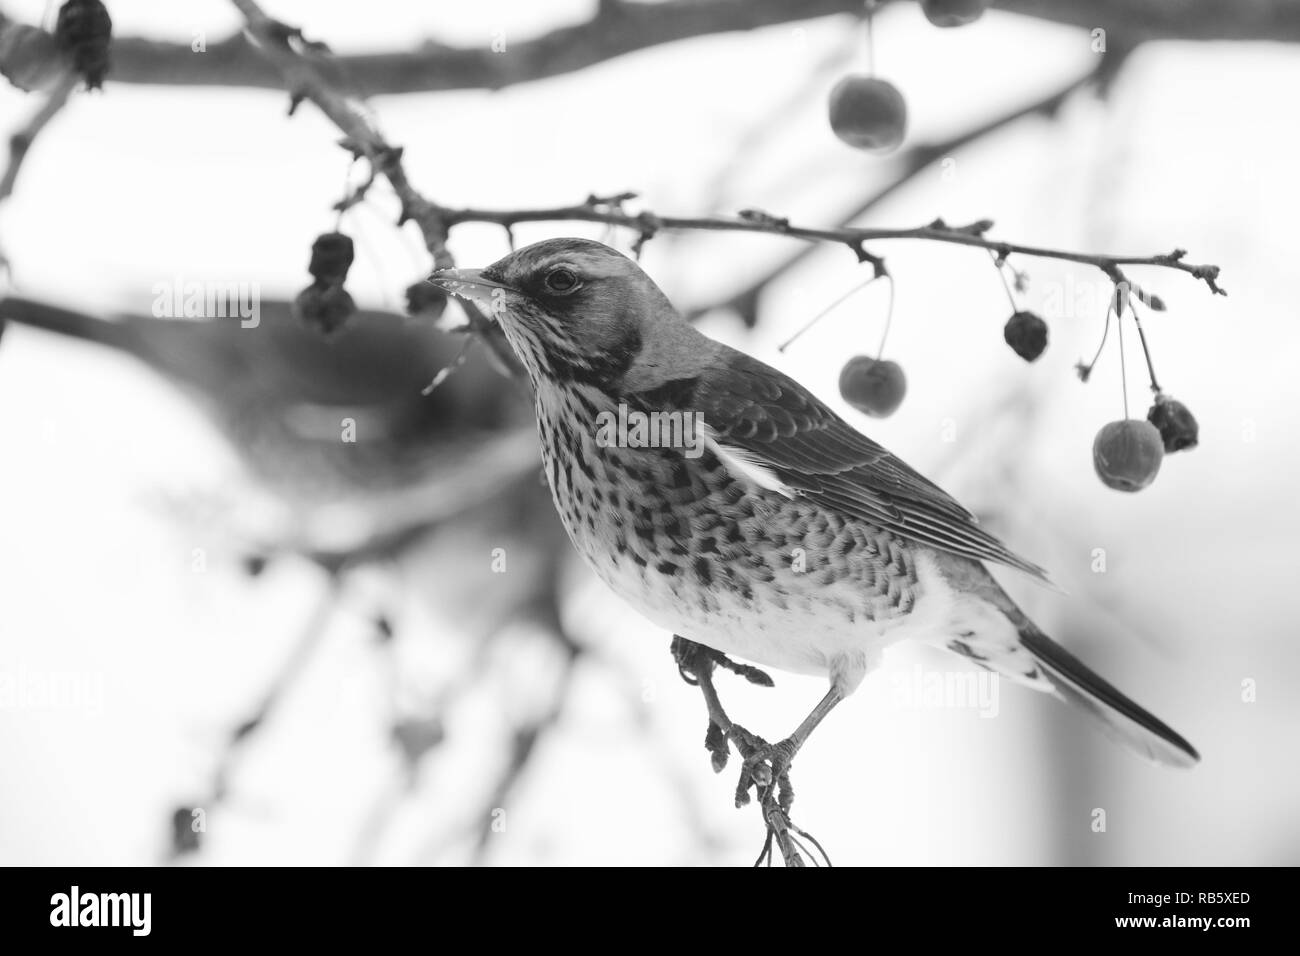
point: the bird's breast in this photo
(712, 556)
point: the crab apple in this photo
(953, 13)
(1127, 454)
(1176, 424)
(1026, 333)
(868, 113)
(872, 386)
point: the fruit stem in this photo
(1123, 364)
(889, 318)
(1085, 371)
(870, 6)
(818, 317)
(1000, 265)
(1151, 369)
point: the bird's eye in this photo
(561, 280)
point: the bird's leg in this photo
(769, 768)
(697, 664)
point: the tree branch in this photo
(910, 164)
(300, 65)
(626, 27)
(610, 211)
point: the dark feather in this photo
(754, 407)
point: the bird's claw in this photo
(767, 770)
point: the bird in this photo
(728, 504)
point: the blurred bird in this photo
(782, 535)
(338, 431)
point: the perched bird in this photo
(760, 524)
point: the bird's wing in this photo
(774, 426)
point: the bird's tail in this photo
(77, 325)
(1118, 716)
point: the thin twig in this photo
(302, 73)
(21, 141)
(1001, 266)
(309, 639)
(1146, 352)
(909, 164)
(306, 81)
(973, 234)
(1123, 362)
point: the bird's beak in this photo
(470, 284)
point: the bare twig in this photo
(21, 140)
(909, 165)
(973, 234)
(309, 639)
(301, 73)
(242, 733)
(306, 81)
(302, 68)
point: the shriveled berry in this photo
(953, 13)
(84, 31)
(426, 300)
(416, 736)
(185, 836)
(1026, 333)
(1177, 425)
(1127, 454)
(868, 113)
(872, 386)
(323, 308)
(331, 257)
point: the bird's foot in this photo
(767, 770)
(696, 662)
(765, 767)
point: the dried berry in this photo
(868, 113)
(416, 736)
(1127, 454)
(1026, 333)
(872, 386)
(953, 13)
(425, 300)
(323, 308)
(331, 257)
(185, 835)
(1176, 424)
(84, 31)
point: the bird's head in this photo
(573, 310)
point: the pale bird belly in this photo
(746, 571)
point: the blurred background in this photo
(229, 635)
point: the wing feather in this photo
(771, 422)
